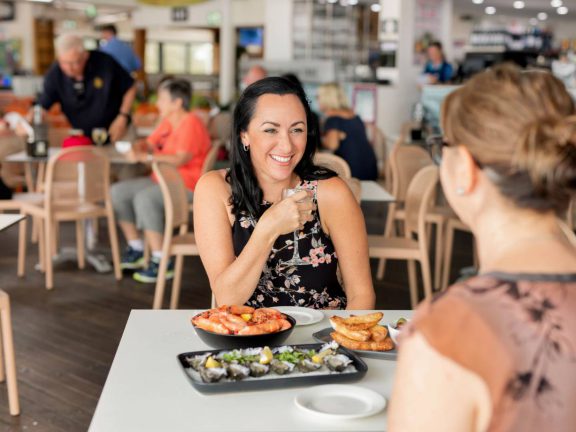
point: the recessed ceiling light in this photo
(477, 1)
(556, 3)
(518, 4)
(375, 7)
(490, 10)
(562, 10)
(533, 21)
(352, 2)
(542, 16)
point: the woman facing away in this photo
(345, 134)
(261, 250)
(498, 352)
(181, 139)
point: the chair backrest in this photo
(78, 175)
(174, 195)
(419, 199)
(378, 140)
(211, 157)
(405, 162)
(220, 127)
(335, 163)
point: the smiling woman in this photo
(262, 250)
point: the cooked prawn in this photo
(265, 314)
(239, 310)
(211, 326)
(270, 326)
(232, 322)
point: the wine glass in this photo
(296, 259)
(99, 136)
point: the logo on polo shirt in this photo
(98, 83)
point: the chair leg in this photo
(22, 247)
(447, 264)
(41, 241)
(413, 283)
(438, 255)
(427, 278)
(146, 252)
(48, 245)
(381, 269)
(9, 357)
(161, 282)
(55, 237)
(80, 244)
(2, 361)
(177, 282)
(35, 230)
(113, 233)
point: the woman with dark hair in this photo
(437, 70)
(262, 250)
(497, 352)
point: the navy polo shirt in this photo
(93, 102)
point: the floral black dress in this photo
(302, 269)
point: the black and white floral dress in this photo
(302, 269)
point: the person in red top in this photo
(181, 139)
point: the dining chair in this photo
(76, 189)
(340, 167)
(452, 225)
(220, 127)
(7, 357)
(175, 218)
(419, 198)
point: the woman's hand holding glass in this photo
(289, 214)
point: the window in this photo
(152, 54)
(174, 58)
(201, 57)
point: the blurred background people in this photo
(92, 88)
(255, 73)
(315, 119)
(437, 70)
(497, 351)
(344, 132)
(181, 139)
(119, 50)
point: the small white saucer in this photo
(339, 402)
(303, 316)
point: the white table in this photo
(146, 389)
(113, 155)
(372, 191)
(7, 220)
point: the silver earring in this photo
(245, 147)
(460, 191)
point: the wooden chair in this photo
(76, 189)
(419, 198)
(340, 167)
(452, 225)
(7, 357)
(220, 127)
(175, 217)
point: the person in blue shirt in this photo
(437, 69)
(120, 51)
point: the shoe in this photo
(150, 274)
(132, 259)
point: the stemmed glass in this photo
(99, 136)
(296, 259)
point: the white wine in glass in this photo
(296, 259)
(99, 136)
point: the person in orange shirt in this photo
(181, 139)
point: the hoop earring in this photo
(245, 147)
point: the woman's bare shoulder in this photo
(213, 181)
(333, 191)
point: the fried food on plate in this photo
(385, 345)
(378, 333)
(363, 322)
(358, 335)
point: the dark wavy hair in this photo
(246, 192)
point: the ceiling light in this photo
(518, 4)
(41, 1)
(352, 2)
(556, 3)
(477, 1)
(332, 1)
(542, 16)
(490, 10)
(375, 7)
(562, 10)
(533, 21)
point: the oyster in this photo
(337, 362)
(237, 371)
(308, 365)
(281, 367)
(258, 369)
(198, 362)
(211, 375)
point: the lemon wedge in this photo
(317, 358)
(266, 356)
(211, 363)
(246, 317)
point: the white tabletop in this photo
(113, 155)
(372, 191)
(7, 220)
(147, 390)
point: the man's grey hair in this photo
(68, 42)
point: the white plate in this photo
(338, 401)
(303, 316)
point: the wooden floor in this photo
(66, 338)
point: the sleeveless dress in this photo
(302, 268)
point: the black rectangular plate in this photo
(264, 383)
(324, 336)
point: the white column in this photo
(227, 44)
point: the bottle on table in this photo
(37, 142)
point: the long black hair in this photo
(246, 192)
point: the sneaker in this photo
(150, 274)
(132, 259)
